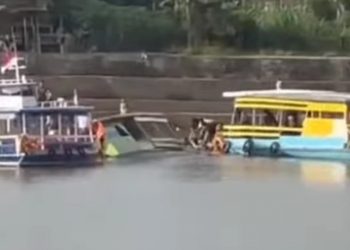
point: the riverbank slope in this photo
(180, 83)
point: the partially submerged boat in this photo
(289, 123)
(34, 133)
(137, 132)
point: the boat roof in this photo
(141, 116)
(15, 84)
(293, 94)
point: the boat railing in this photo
(63, 139)
(69, 138)
(60, 103)
(11, 82)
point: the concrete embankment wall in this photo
(175, 83)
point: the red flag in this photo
(10, 60)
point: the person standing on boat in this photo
(197, 133)
(100, 132)
(218, 144)
(123, 108)
(40, 93)
(83, 124)
(46, 98)
(203, 133)
(193, 135)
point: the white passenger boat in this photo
(34, 133)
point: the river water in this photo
(178, 201)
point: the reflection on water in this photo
(202, 168)
(324, 173)
(310, 171)
(178, 201)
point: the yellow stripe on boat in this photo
(268, 103)
(330, 107)
(250, 134)
(261, 128)
(271, 100)
(268, 106)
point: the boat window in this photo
(243, 116)
(332, 115)
(121, 130)
(32, 122)
(265, 117)
(293, 119)
(16, 125)
(51, 124)
(134, 129)
(83, 124)
(3, 126)
(67, 124)
(313, 114)
(157, 129)
(10, 124)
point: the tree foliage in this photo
(157, 25)
(324, 9)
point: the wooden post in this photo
(90, 129)
(24, 126)
(233, 115)
(280, 118)
(42, 134)
(37, 34)
(59, 124)
(8, 126)
(33, 37)
(61, 38)
(25, 33)
(75, 129)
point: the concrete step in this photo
(170, 65)
(169, 88)
(166, 106)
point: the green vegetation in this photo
(204, 25)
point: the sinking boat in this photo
(138, 132)
(289, 123)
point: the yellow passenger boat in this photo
(289, 123)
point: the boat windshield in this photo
(51, 124)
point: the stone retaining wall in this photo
(176, 66)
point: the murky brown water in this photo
(178, 201)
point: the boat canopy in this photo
(292, 94)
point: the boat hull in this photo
(45, 160)
(325, 149)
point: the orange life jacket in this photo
(99, 130)
(29, 145)
(218, 143)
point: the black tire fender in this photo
(275, 148)
(248, 147)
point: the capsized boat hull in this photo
(139, 132)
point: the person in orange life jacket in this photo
(218, 145)
(100, 132)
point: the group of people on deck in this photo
(206, 136)
(44, 94)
